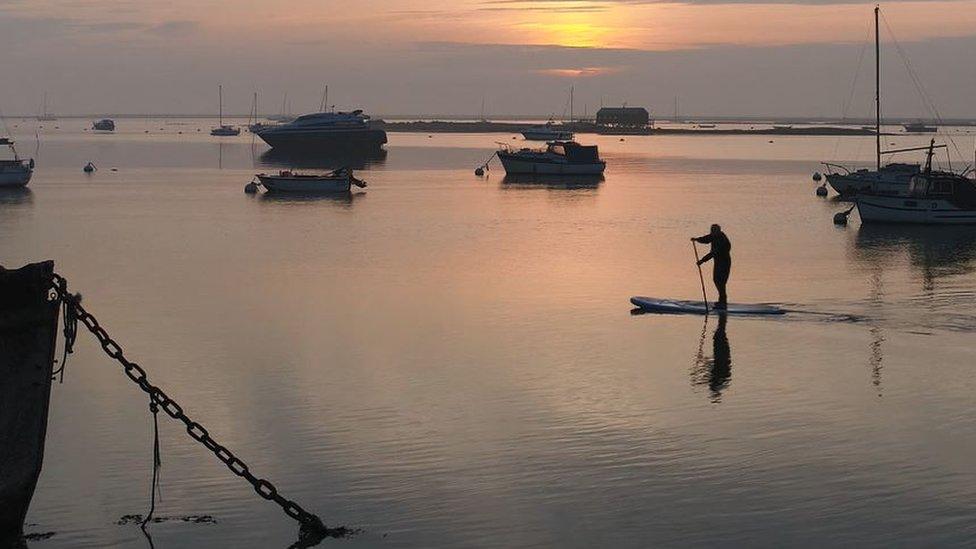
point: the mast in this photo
(220, 102)
(571, 90)
(877, 88)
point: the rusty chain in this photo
(311, 525)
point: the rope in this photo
(157, 462)
(70, 319)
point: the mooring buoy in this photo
(817, 177)
(251, 188)
(479, 171)
(840, 218)
(822, 190)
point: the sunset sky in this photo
(720, 57)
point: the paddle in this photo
(700, 277)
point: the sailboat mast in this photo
(220, 103)
(572, 90)
(877, 88)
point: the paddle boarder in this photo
(721, 254)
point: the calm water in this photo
(446, 360)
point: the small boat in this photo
(338, 181)
(933, 198)
(14, 171)
(706, 126)
(223, 130)
(550, 131)
(782, 127)
(558, 158)
(920, 127)
(104, 125)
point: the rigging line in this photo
(845, 109)
(927, 100)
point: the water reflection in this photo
(934, 251)
(715, 371)
(357, 160)
(344, 199)
(534, 181)
(21, 195)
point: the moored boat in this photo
(14, 171)
(933, 198)
(324, 131)
(558, 158)
(104, 125)
(338, 181)
(223, 130)
(550, 131)
(920, 127)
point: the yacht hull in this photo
(518, 166)
(14, 178)
(910, 210)
(305, 184)
(530, 135)
(317, 140)
(28, 331)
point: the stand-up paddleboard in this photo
(678, 306)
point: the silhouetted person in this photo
(721, 254)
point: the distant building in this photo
(623, 120)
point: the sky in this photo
(519, 57)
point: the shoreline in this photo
(439, 126)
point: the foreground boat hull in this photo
(517, 166)
(305, 185)
(529, 135)
(908, 210)
(28, 328)
(313, 140)
(14, 178)
(893, 184)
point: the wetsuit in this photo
(721, 254)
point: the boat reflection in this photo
(933, 251)
(714, 372)
(345, 199)
(536, 181)
(18, 195)
(355, 159)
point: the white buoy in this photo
(822, 190)
(817, 177)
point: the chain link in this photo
(311, 525)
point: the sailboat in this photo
(285, 115)
(223, 130)
(253, 125)
(889, 179)
(46, 116)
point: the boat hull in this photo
(28, 331)
(518, 166)
(317, 140)
(280, 184)
(14, 177)
(530, 135)
(894, 183)
(910, 210)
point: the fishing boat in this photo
(287, 181)
(14, 171)
(28, 331)
(223, 130)
(550, 131)
(933, 198)
(324, 131)
(888, 179)
(558, 158)
(104, 125)
(920, 127)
